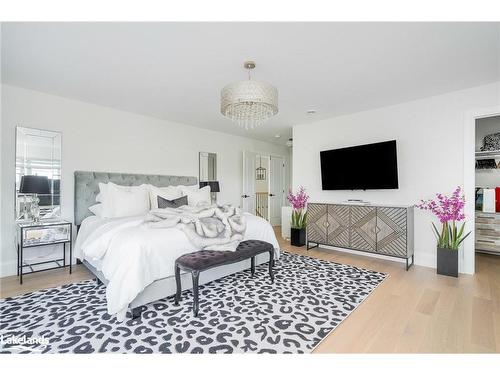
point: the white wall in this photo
(430, 141)
(96, 138)
(487, 178)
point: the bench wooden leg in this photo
(253, 266)
(271, 263)
(178, 284)
(195, 275)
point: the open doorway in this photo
(487, 192)
(263, 185)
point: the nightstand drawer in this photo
(45, 235)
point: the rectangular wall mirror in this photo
(38, 164)
(208, 166)
(208, 173)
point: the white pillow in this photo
(96, 209)
(103, 189)
(169, 192)
(101, 196)
(121, 201)
(195, 195)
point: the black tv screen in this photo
(371, 166)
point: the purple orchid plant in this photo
(299, 203)
(449, 211)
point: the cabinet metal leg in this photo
(71, 254)
(21, 265)
(410, 264)
(311, 247)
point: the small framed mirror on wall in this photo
(208, 166)
(38, 174)
(208, 173)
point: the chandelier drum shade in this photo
(249, 103)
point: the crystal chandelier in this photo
(249, 103)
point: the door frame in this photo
(268, 155)
(467, 262)
(283, 182)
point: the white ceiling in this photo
(175, 71)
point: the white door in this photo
(248, 193)
(276, 189)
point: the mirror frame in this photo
(203, 153)
(56, 132)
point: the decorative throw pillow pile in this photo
(195, 195)
(119, 201)
(169, 193)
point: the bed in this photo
(135, 262)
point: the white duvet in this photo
(131, 255)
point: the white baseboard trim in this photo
(8, 268)
(425, 260)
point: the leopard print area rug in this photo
(238, 314)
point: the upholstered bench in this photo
(203, 260)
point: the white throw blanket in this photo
(208, 227)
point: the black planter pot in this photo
(447, 262)
(298, 237)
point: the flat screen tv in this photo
(371, 166)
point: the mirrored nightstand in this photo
(43, 233)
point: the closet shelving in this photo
(488, 154)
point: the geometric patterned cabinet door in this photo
(362, 229)
(339, 218)
(391, 231)
(317, 223)
(377, 229)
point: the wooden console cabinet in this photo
(384, 230)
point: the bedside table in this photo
(43, 233)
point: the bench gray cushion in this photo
(205, 259)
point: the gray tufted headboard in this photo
(87, 186)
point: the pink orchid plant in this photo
(449, 211)
(299, 203)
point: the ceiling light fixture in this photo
(249, 103)
(277, 136)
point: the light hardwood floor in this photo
(414, 311)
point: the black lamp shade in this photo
(214, 185)
(34, 185)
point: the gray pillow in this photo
(174, 203)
